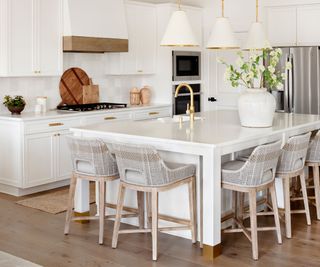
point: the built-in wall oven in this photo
(186, 66)
(181, 102)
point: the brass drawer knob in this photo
(55, 124)
(110, 118)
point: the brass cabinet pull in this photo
(140, 71)
(110, 118)
(153, 113)
(55, 124)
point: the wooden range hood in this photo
(95, 26)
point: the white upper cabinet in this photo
(308, 30)
(142, 31)
(31, 37)
(281, 25)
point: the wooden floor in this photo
(38, 237)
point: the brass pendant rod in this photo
(222, 8)
(257, 10)
(179, 4)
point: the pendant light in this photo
(179, 31)
(222, 36)
(257, 39)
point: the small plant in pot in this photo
(15, 104)
(256, 105)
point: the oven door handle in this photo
(188, 94)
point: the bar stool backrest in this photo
(141, 165)
(94, 154)
(294, 154)
(261, 165)
(313, 154)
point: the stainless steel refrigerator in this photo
(301, 92)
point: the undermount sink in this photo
(176, 118)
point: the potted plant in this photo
(256, 73)
(15, 104)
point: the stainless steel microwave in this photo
(186, 66)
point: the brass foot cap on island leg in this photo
(211, 252)
(82, 214)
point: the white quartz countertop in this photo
(217, 128)
(53, 114)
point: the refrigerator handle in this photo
(286, 97)
(291, 85)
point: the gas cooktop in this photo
(91, 107)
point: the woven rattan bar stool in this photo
(313, 161)
(291, 165)
(252, 176)
(142, 169)
(92, 161)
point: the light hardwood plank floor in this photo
(38, 237)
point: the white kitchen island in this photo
(217, 136)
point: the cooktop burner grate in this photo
(91, 107)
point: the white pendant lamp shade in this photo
(222, 36)
(257, 39)
(179, 31)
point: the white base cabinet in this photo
(35, 155)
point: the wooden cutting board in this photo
(71, 86)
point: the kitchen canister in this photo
(145, 95)
(135, 96)
(41, 106)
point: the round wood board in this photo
(71, 84)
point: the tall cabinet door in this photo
(308, 31)
(63, 157)
(281, 24)
(49, 36)
(39, 159)
(20, 37)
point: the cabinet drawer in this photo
(107, 117)
(151, 114)
(51, 125)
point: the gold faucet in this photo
(190, 110)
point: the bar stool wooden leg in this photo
(72, 191)
(140, 198)
(116, 228)
(253, 223)
(235, 207)
(192, 207)
(316, 179)
(241, 205)
(149, 210)
(305, 197)
(102, 201)
(275, 212)
(287, 207)
(154, 200)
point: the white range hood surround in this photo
(95, 26)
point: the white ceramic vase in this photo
(256, 108)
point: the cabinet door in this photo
(308, 31)
(281, 24)
(20, 34)
(39, 159)
(146, 33)
(63, 157)
(49, 37)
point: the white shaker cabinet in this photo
(31, 37)
(281, 25)
(308, 30)
(142, 31)
(63, 164)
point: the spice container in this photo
(135, 97)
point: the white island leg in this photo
(82, 202)
(211, 204)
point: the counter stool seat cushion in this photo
(175, 172)
(231, 173)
